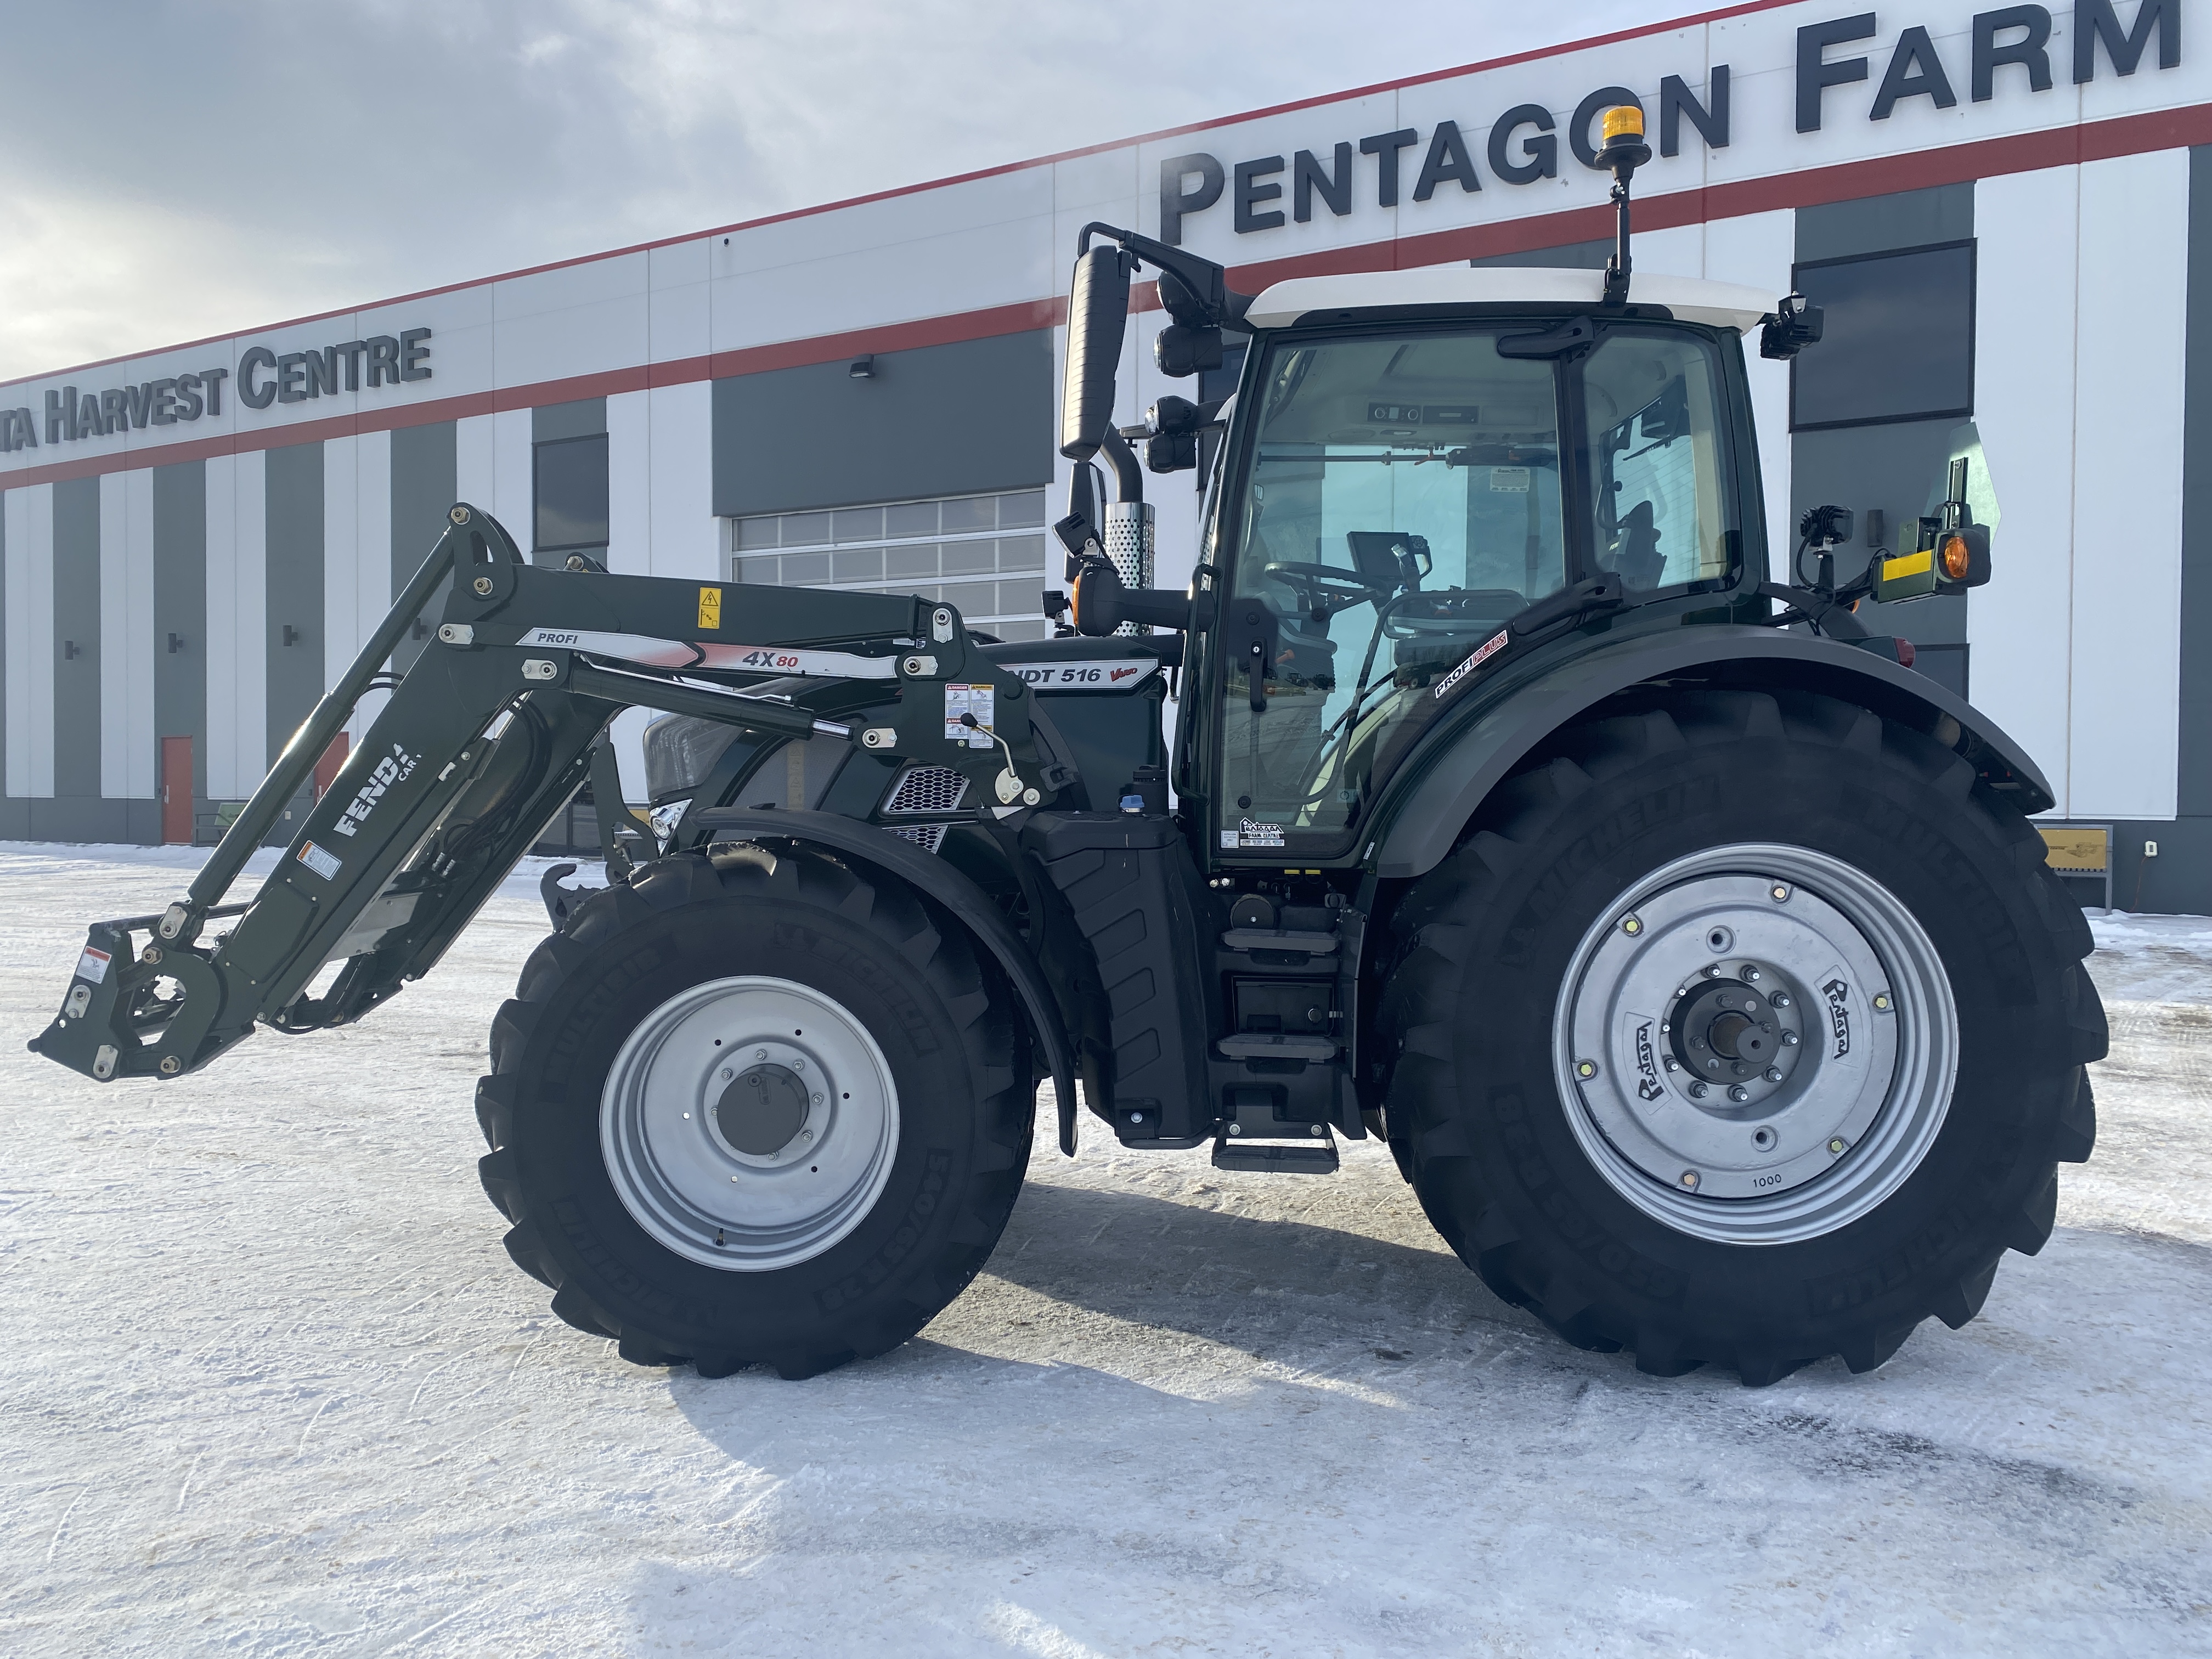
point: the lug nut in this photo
(817, 1100)
(727, 1074)
(1673, 1064)
(1838, 1144)
(1881, 1001)
(1698, 1091)
(1690, 1178)
(1780, 892)
(1631, 925)
(760, 1053)
(1585, 1068)
(1738, 1093)
(1780, 998)
(1750, 972)
(1790, 1039)
(1712, 970)
(1774, 1074)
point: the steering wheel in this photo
(1325, 589)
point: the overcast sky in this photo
(177, 170)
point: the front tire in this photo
(1647, 884)
(755, 1107)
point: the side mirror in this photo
(1097, 318)
(1795, 325)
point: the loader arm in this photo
(486, 737)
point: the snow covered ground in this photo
(269, 1385)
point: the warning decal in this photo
(979, 701)
(325, 865)
(93, 964)
(710, 607)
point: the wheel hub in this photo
(1756, 1043)
(748, 1123)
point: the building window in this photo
(1897, 341)
(571, 476)
(984, 554)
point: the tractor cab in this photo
(1423, 460)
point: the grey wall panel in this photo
(1573, 256)
(1889, 466)
(947, 420)
(425, 483)
(2180, 878)
(585, 418)
(76, 625)
(1905, 218)
(293, 593)
(180, 612)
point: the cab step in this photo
(1276, 1157)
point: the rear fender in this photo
(1428, 807)
(894, 855)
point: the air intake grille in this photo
(927, 836)
(927, 789)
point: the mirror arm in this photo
(1208, 301)
(1128, 476)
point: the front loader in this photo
(1692, 955)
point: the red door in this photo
(327, 767)
(177, 792)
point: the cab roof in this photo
(1691, 299)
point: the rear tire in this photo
(1563, 1197)
(641, 1184)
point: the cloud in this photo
(176, 170)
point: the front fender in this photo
(897, 856)
(1429, 804)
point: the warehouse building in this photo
(2005, 213)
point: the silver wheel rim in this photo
(1756, 1044)
(748, 1123)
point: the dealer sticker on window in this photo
(325, 865)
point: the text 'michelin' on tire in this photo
(1745, 1029)
(755, 1107)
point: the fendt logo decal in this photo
(1839, 1016)
(391, 769)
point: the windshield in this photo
(1403, 498)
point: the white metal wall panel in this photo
(115, 636)
(574, 320)
(237, 610)
(2126, 692)
(687, 536)
(134, 646)
(2021, 627)
(679, 319)
(630, 549)
(1759, 249)
(30, 578)
(340, 551)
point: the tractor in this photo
(1692, 954)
